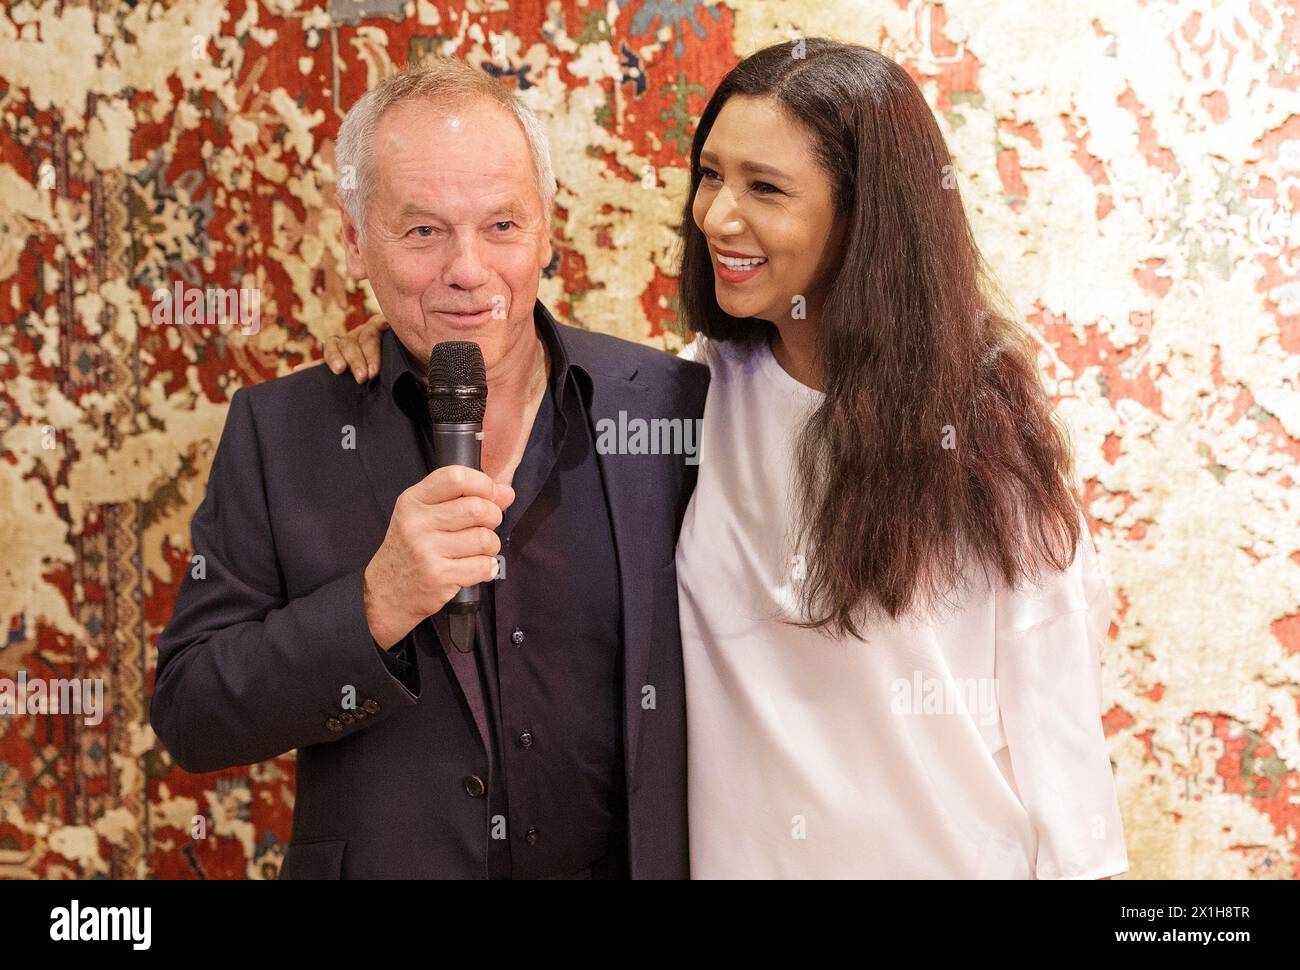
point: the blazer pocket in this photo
(314, 860)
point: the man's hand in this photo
(439, 539)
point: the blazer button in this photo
(334, 725)
(526, 739)
(474, 786)
(371, 706)
(517, 637)
(531, 836)
(346, 718)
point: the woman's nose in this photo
(723, 217)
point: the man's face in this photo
(455, 236)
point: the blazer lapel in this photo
(465, 667)
(390, 452)
(627, 490)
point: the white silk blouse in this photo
(962, 744)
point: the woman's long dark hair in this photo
(936, 445)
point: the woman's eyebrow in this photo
(756, 168)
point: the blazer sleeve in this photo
(243, 673)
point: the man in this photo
(557, 747)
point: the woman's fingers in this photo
(369, 338)
(351, 350)
(359, 350)
(334, 358)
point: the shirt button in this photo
(371, 706)
(531, 836)
(474, 786)
(346, 718)
(334, 725)
(526, 739)
(517, 637)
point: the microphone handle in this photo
(460, 444)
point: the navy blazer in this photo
(270, 651)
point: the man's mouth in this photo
(465, 316)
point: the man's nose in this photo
(723, 215)
(466, 269)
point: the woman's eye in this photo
(765, 187)
(708, 173)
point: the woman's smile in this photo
(737, 267)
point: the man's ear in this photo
(356, 262)
(546, 222)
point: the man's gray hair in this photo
(450, 84)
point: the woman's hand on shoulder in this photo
(357, 349)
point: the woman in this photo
(901, 679)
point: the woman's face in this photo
(766, 207)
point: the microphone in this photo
(457, 402)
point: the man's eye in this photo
(423, 232)
(503, 226)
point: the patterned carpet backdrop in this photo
(1133, 174)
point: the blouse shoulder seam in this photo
(999, 634)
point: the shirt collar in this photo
(399, 368)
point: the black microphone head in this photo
(457, 383)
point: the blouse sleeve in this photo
(694, 350)
(1048, 671)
